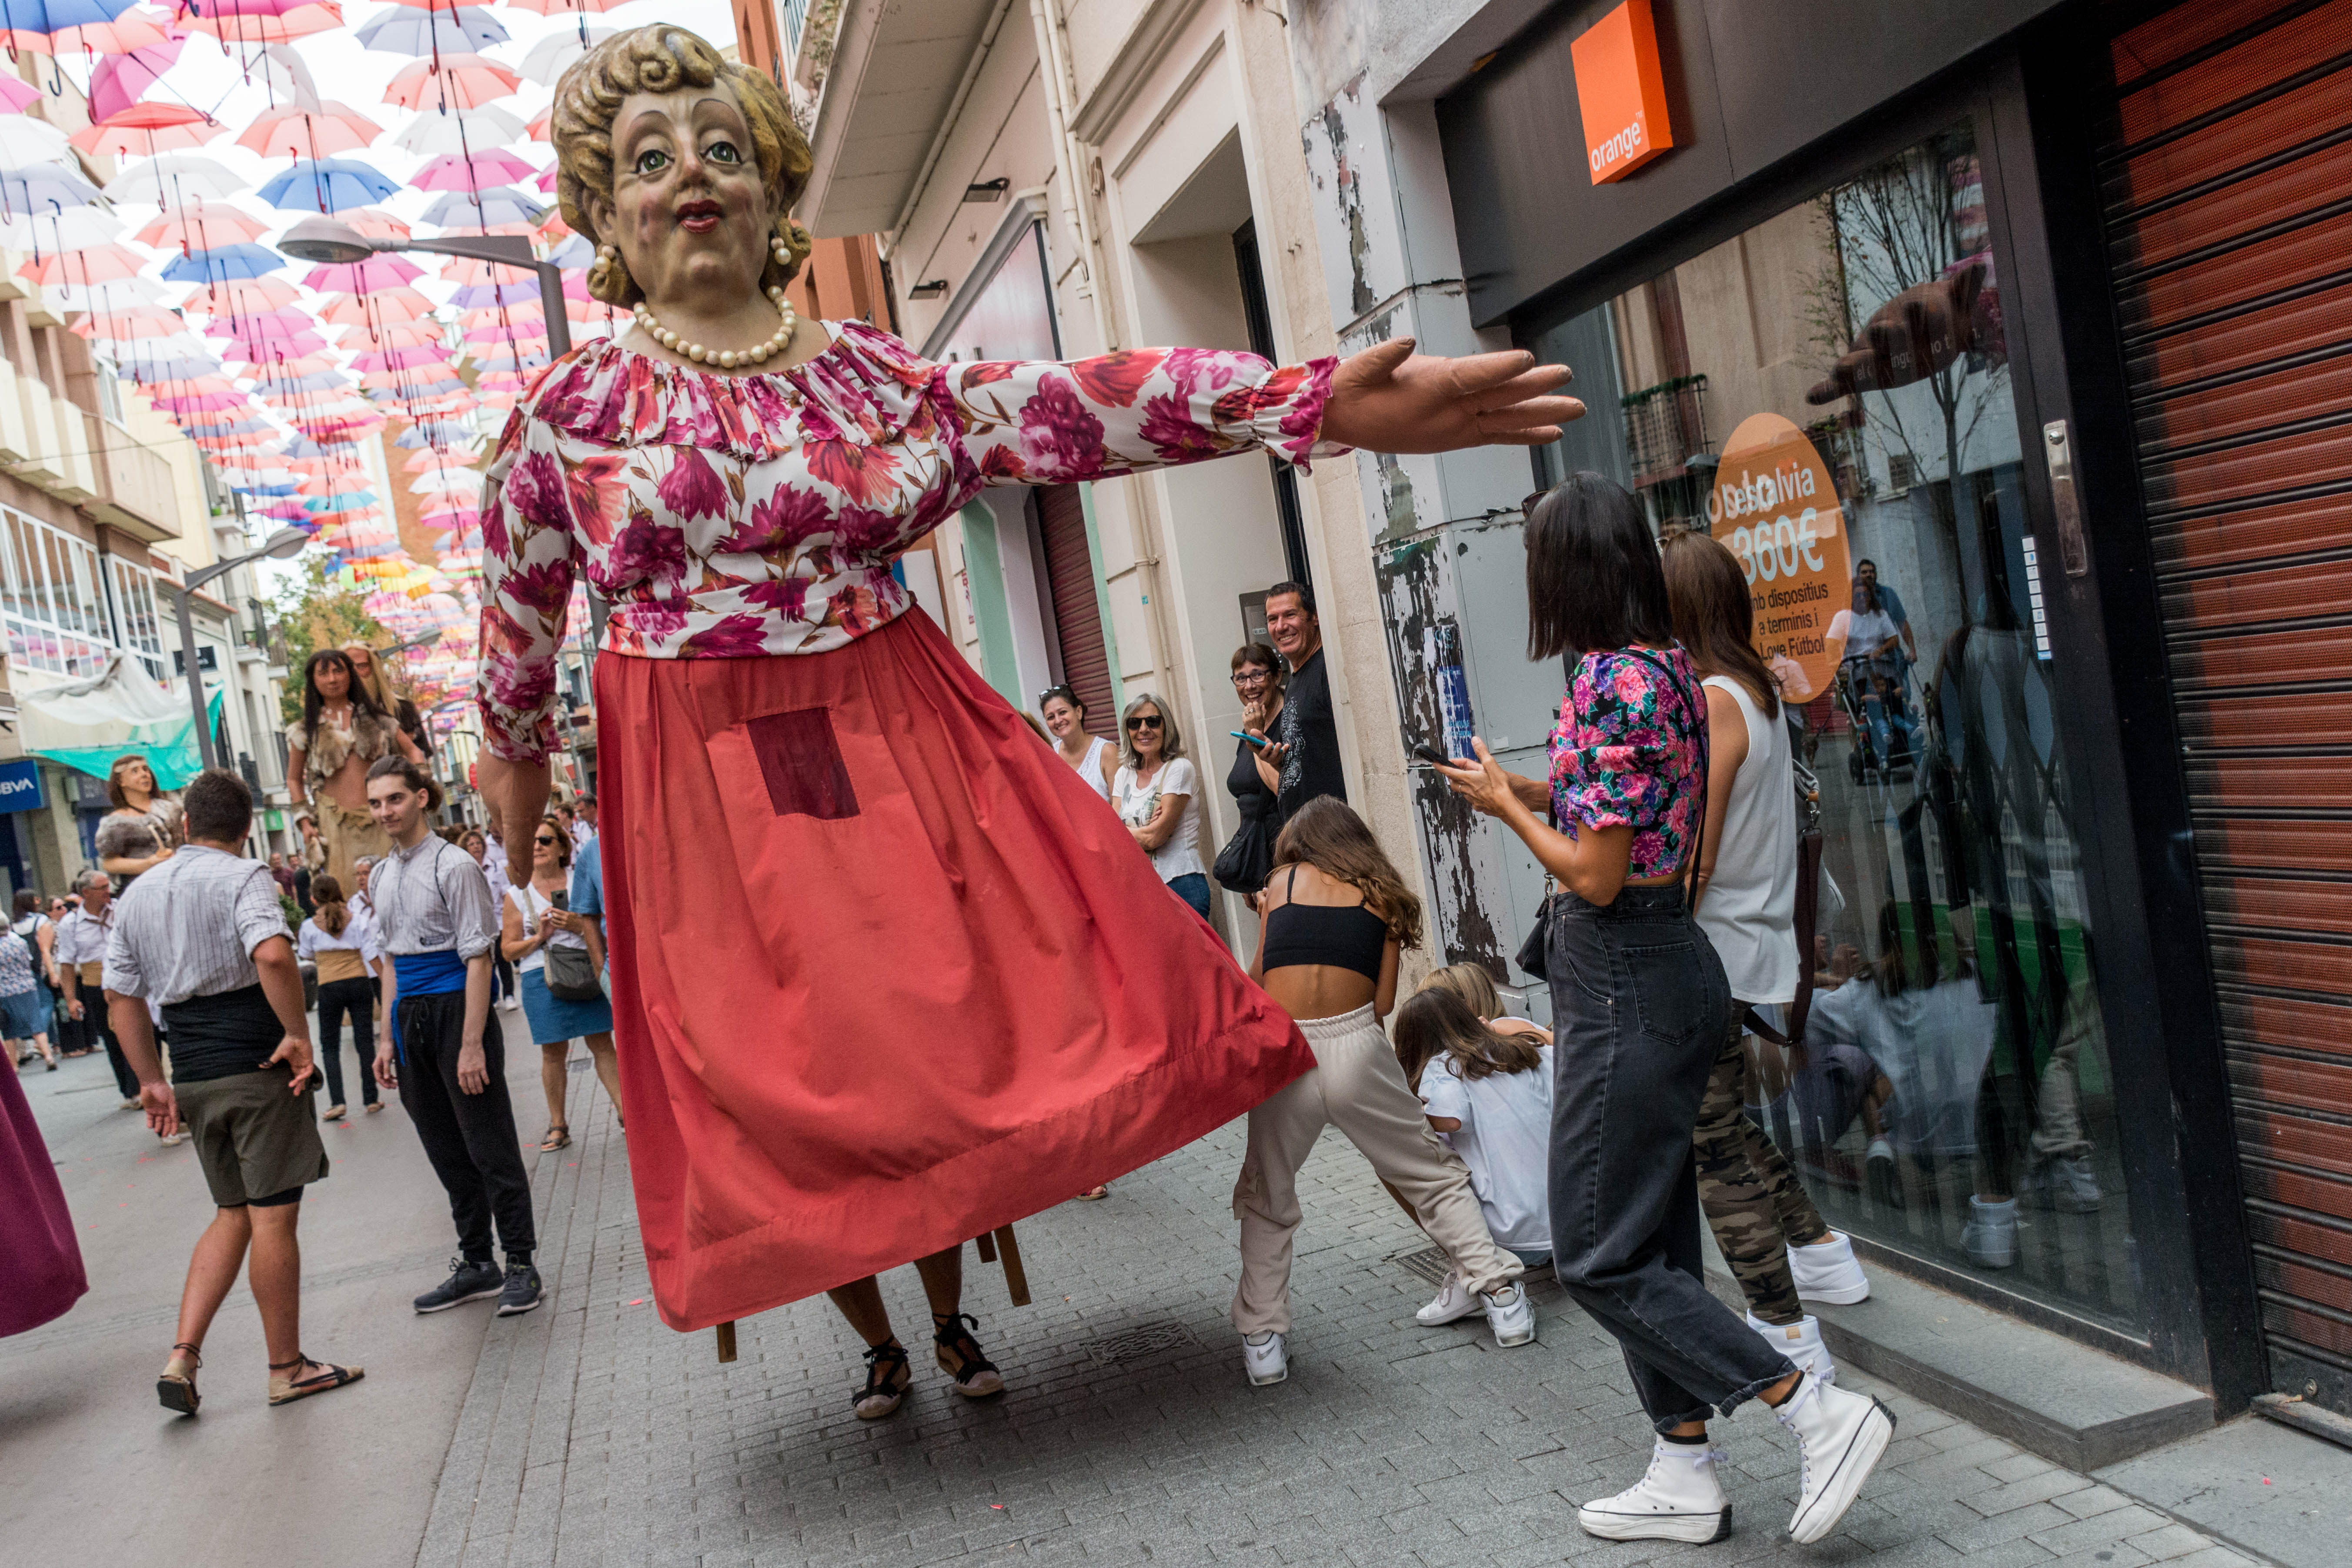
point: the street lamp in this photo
(322, 239)
(284, 544)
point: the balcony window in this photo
(53, 601)
(109, 393)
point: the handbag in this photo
(1248, 860)
(1531, 953)
(569, 972)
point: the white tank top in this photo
(1749, 909)
(1091, 769)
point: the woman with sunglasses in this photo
(1154, 794)
(1066, 722)
(531, 923)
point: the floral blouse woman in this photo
(800, 774)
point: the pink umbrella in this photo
(16, 94)
(318, 131)
(362, 277)
(200, 226)
(147, 129)
(451, 173)
(464, 81)
(117, 80)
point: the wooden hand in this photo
(1390, 399)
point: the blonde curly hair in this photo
(661, 59)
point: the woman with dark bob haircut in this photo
(1639, 1008)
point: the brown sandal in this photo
(176, 1389)
(330, 1377)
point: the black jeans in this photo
(470, 1138)
(97, 1029)
(1639, 1009)
(356, 998)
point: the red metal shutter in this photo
(2226, 173)
(1078, 617)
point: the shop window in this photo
(1829, 394)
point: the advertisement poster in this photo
(1775, 508)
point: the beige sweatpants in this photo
(1358, 1087)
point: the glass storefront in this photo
(1829, 393)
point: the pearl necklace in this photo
(725, 359)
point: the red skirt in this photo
(886, 972)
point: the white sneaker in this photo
(1801, 1343)
(1841, 1435)
(1679, 1499)
(1828, 1271)
(1990, 1235)
(1262, 1356)
(1455, 1302)
(2068, 1185)
(1511, 1316)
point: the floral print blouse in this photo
(739, 516)
(1630, 751)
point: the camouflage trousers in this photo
(1753, 1201)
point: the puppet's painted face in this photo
(688, 210)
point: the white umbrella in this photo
(455, 131)
(68, 230)
(553, 54)
(101, 296)
(25, 140)
(284, 70)
(176, 176)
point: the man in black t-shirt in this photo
(1306, 749)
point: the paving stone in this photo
(591, 1436)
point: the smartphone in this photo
(1254, 740)
(1431, 755)
(561, 898)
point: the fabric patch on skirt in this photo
(801, 762)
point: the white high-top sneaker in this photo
(1455, 1302)
(1829, 1272)
(1511, 1317)
(1263, 1357)
(1802, 1342)
(1679, 1499)
(1841, 1437)
(1990, 1236)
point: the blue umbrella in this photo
(51, 16)
(44, 187)
(434, 433)
(178, 367)
(477, 295)
(316, 380)
(326, 185)
(470, 29)
(222, 263)
(499, 204)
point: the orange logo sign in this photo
(1775, 506)
(1622, 92)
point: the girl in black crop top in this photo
(1333, 917)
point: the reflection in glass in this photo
(1829, 393)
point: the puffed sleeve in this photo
(527, 565)
(1610, 764)
(1049, 422)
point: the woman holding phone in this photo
(1640, 1004)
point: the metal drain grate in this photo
(1431, 1263)
(1136, 1343)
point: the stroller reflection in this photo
(1875, 694)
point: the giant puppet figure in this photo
(886, 973)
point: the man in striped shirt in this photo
(437, 922)
(204, 936)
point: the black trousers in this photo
(470, 1138)
(97, 1029)
(356, 998)
(1639, 1008)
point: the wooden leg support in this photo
(726, 1339)
(1016, 1279)
(986, 1243)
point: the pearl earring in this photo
(608, 253)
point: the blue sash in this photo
(423, 975)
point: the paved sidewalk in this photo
(592, 1435)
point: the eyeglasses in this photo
(1251, 676)
(1148, 722)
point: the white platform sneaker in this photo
(1455, 1302)
(1511, 1317)
(1829, 1272)
(1841, 1437)
(1679, 1499)
(1262, 1356)
(1801, 1342)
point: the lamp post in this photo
(285, 543)
(322, 239)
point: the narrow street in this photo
(587, 1433)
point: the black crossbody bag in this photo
(1532, 952)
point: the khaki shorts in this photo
(252, 1138)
